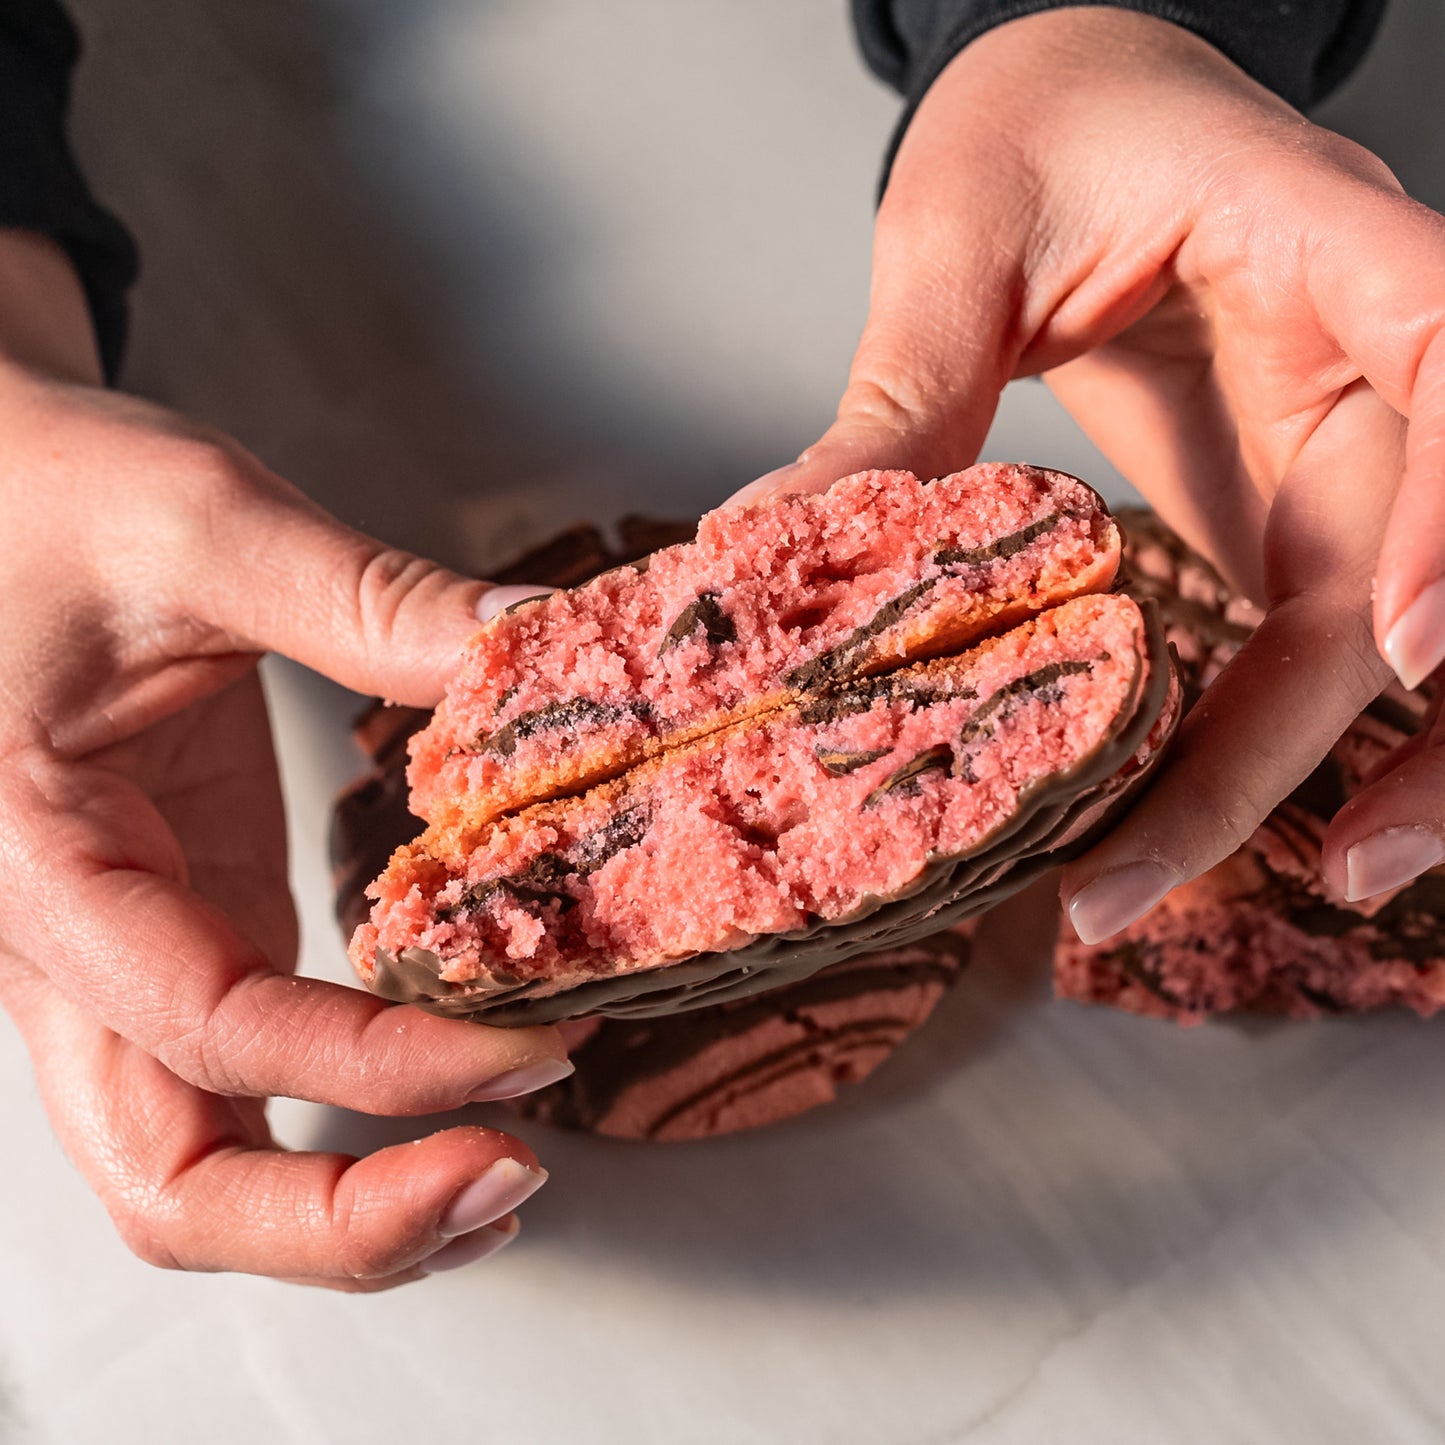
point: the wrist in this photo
(45, 322)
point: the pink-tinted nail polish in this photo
(1388, 859)
(763, 486)
(498, 599)
(521, 1081)
(497, 1192)
(469, 1248)
(1117, 897)
(1415, 645)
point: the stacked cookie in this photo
(1262, 932)
(711, 1070)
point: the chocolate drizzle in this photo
(644, 1062)
(705, 612)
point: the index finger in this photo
(196, 1182)
(168, 971)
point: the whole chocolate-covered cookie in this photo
(1261, 932)
(901, 700)
(714, 1070)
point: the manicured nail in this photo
(499, 1191)
(472, 1247)
(1415, 645)
(1117, 897)
(521, 1081)
(499, 599)
(769, 482)
(1389, 858)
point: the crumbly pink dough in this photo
(748, 834)
(793, 577)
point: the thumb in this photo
(943, 334)
(277, 573)
(916, 401)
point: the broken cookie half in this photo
(936, 702)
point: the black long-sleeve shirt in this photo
(1300, 49)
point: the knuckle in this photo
(887, 402)
(1350, 156)
(207, 481)
(363, 1253)
(385, 581)
(204, 1047)
(143, 1229)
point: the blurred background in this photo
(468, 271)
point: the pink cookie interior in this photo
(781, 584)
(766, 827)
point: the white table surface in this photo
(515, 263)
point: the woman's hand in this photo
(1248, 317)
(147, 939)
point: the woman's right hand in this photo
(147, 937)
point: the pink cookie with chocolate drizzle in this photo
(810, 816)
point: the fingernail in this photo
(472, 1247)
(522, 1081)
(499, 1191)
(1117, 897)
(768, 482)
(499, 599)
(1415, 645)
(1389, 858)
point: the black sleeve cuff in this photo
(1301, 50)
(41, 188)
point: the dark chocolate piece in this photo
(571, 713)
(844, 659)
(717, 626)
(1000, 548)
(996, 707)
(905, 779)
(840, 763)
(545, 880)
(863, 692)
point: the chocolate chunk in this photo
(842, 661)
(544, 880)
(860, 695)
(1000, 548)
(840, 763)
(1041, 684)
(705, 612)
(573, 714)
(1131, 960)
(905, 779)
